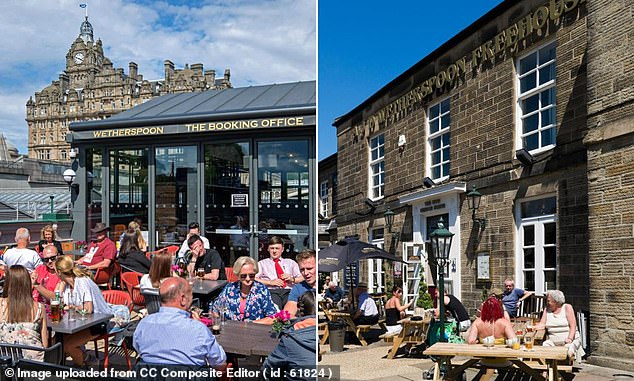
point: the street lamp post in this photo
(441, 246)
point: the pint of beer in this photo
(55, 311)
(528, 342)
(200, 272)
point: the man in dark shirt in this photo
(456, 309)
(208, 259)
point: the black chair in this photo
(52, 354)
(152, 300)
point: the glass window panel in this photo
(546, 54)
(530, 104)
(550, 257)
(446, 120)
(540, 207)
(176, 193)
(548, 137)
(529, 280)
(433, 126)
(445, 169)
(529, 258)
(550, 280)
(285, 215)
(548, 97)
(546, 73)
(527, 63)
(433, 111)
(531, 142)
(444, 105)
(375, 154)
(94, 188)
(435, 143)
(550, 233)
(548, 116)
(529, 235)
(446, 138)
(227, 198)
(530, 123)
(435, 172)
(128, 189)
(435, 157)
(381, 150)
(528, 82)
(445, 154)
(381, 139)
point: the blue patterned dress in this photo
(259, 304)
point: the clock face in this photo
(79, 58)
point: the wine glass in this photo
(72, 298)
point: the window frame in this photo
(430, 136)
(380, 147)
(538, 89)
(323, 198)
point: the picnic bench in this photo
(414, 332)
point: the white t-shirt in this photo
(185, 246)
(146, 283)
(23, 257)
(88, 291)
(367, 305)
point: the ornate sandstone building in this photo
(92, 88)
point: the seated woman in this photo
(77, 288)
(394, 311)
(22, 320)
(131, 258)
(160, 269)
(561, 327)
(491, 323)
(246, 298)
(48, 239)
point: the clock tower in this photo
(84, 58)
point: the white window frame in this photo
(375, 267)
(538, 222)
(376, 192)
(323, 198)
(519, 135)
(431, 136)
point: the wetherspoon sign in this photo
(196, 128)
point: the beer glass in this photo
(55, 311)
(528, 343)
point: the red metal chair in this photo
(105, 276)
(130, 280)
(231, 277)
(172, 250)
(121, 298)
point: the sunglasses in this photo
(49, 259)
(244, 276)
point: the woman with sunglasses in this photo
(246, 298)
(45, 277)
(395, 311)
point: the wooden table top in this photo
(498, 351)
(247, 338)
(69, 327)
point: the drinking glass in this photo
(528, 343)
(82, 308)
(71, 307)
(200, 273)
(222, 309)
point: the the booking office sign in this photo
(196, 128)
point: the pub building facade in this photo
(239, 161)
(532, 106)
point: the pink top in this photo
(46, 278)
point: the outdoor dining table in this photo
(67, 327)
(477, 352)
(206, 286)
(414, 332)
(247, 338)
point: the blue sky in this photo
(363, 45)
(272, 41)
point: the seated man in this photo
(101, 251)
(194, 229)
(367, 312)
(308, 268)
(278, 274)
(333, 294)
(45, 277)
(21, 254)
(208, 259)
(171, 336)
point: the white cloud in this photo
(261, 41)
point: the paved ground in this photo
(371, 363)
